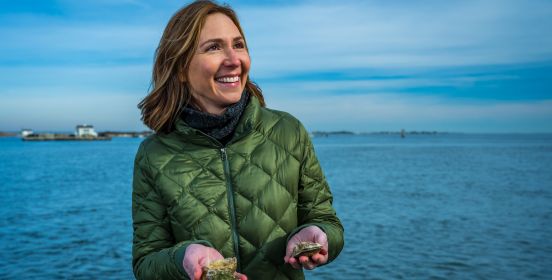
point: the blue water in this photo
(452, 206)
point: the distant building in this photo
(26, 132)
(84, 130)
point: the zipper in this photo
(230, 197)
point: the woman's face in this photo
(219, 68)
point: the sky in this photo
(451, 66)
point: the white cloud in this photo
(361, 113)
(393, 111)
(82, 71)
(370, 34)
(317, 35)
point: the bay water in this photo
(443, 206)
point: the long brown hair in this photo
(169, 92)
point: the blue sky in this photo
(458, 66)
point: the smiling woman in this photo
(223, 176)
(219, 70)
(201, 43)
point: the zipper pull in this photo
(223, 153)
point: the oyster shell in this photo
(306, 249)
(220, 270)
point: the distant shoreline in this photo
(345, 132)
(104, 134)
(8, 134)
(415, 132)
(317, 133)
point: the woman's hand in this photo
(311, 234)
(197, 256)
(240, 276)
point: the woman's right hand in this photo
(196, 257)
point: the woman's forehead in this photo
(218, 26)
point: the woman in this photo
(223, 176)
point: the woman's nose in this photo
(232, 58)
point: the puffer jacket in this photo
(245, 198)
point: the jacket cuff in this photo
(180, 251)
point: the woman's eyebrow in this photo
(220, 40)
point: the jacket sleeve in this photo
(154, 252)
(315, 200)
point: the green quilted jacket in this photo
(245, 199)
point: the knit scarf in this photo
(220, 127)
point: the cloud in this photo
(361, 113)
(370, 84)
(307, 36)
(63, 65)
(393, 111)
(365, 34)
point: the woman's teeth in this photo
(228, 79)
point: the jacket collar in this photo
(248, 120)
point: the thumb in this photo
(197, 273)
(289, 249)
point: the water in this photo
(427, 206)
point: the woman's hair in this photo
(169, 89)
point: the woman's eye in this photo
(213, 47)
(239, 45)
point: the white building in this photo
(84, 130)
(26, 132)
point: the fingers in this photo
(289, 250)
(294, 263)
(240, 276)
(320, 258)
(306, 262)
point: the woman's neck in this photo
(207, 108)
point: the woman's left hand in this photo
(311, 234)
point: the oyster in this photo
(306, 249)
(220, 270)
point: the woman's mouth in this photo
(228, 81)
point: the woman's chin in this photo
(231, 95)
